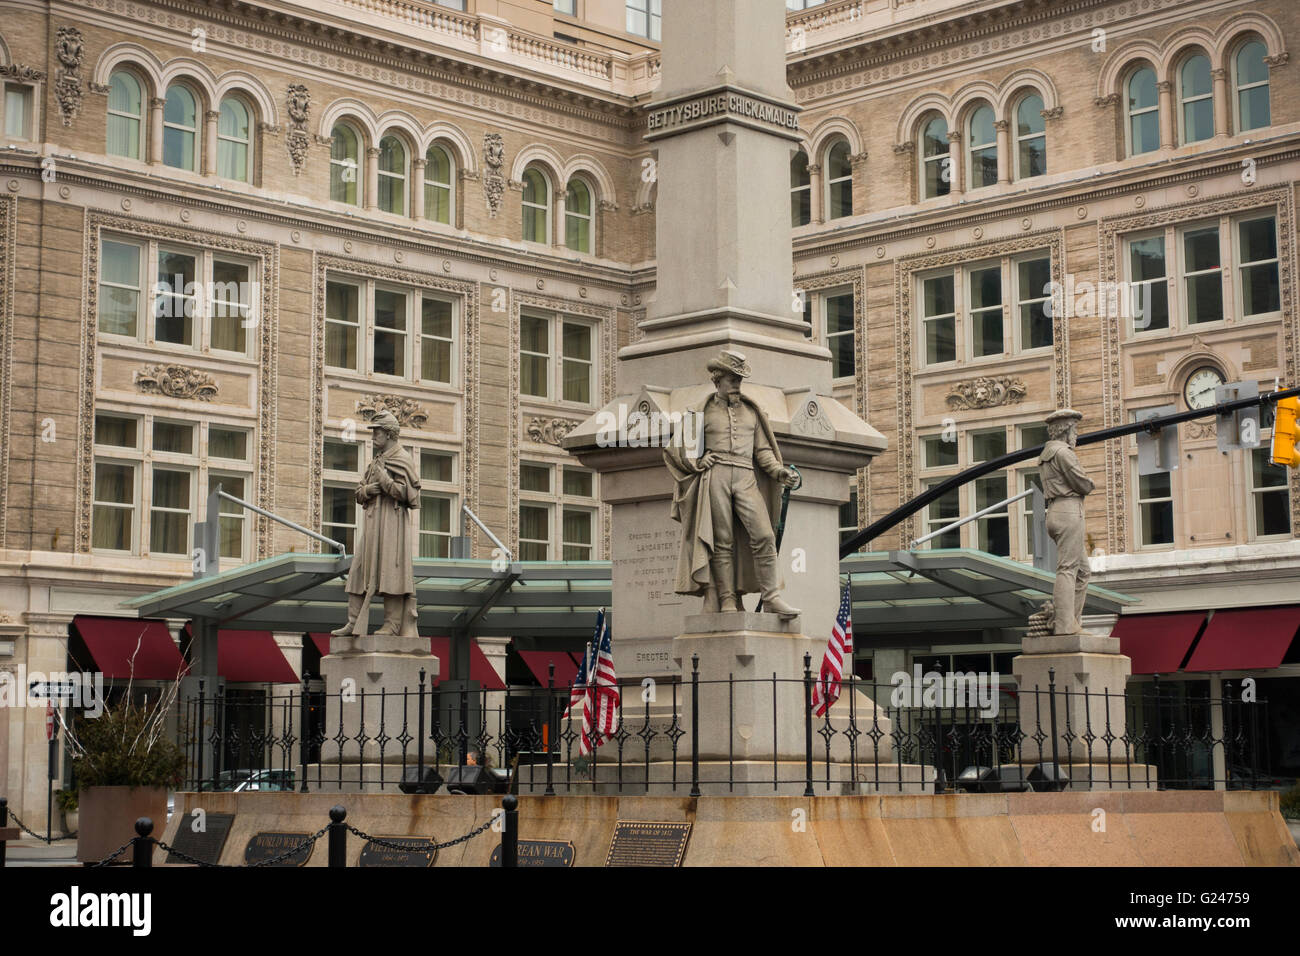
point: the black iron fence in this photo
(953, 733)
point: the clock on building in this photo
(1199, 390)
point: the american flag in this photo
(826, 690)
(600, 706)
(578, 693)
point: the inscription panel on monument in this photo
(206, 844)
(648, 844)
(538, 853)
(644, 546)
(414, 852)
(267, 846)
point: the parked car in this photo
(267, 781)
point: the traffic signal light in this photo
(1286, 432)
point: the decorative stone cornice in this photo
(1278, 59)
(608, 205)
(549, 431)
(858, 159)
(908, 147)
(407, 411)
(176, 381)
(1056, 112)
(23, 74)
(269, 129)
(1103, 102)
(986, 392)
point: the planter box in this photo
(107, 818)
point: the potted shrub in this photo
(125, 763)
(67, 802)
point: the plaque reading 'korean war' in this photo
(412, 854)
(267, 846)
(648, 844)
(539, 853)
(205, 844)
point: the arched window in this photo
(983, 140)
(233, 139)
(125, 115)
(1196, 99)
(800, 190)
(180, 128)
(537, 206)
(1250, 77)
(1031, 138)
(437, 184)
(577, 216)
(936, 169)
(839, 181)
(345, 154)
(392, 176)
(1143, 112)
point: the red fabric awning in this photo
(252, 657)
(322, 642)
(566, 668)
(479, 667)
(1157, 643)
(1246, 639)
(128, 648)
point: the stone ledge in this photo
(732, 622)
(1070, 644)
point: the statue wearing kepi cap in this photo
(1064, 486)
(727, 497)
(383, 564)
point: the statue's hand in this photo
(708, 460)
(788, 478)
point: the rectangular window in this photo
(576, 532)
(435, 340)
(228, 443)
(341, 455)
(1147, 277)
(576, 368)
(849, 515)
(18, 111)
(117, 432)
(1257, 254)
(230, 306)
(535, 478)
(938, 452)
(175, 302)
(534, 532)
(173, 438)
(569, 7)
(535, 356)
(985, 316)
(577, 483)
(643, 18)
(436, 466)
(119, 288)
(342, 324)
(1270, 495)
(435, 525)
(993, 531)
(1202, 276)
(389, 351)
(1033, 293)
(169, 515)
(1028, 479)
(1156, 509)
(838, 310)
(940, 512)
(230, 533)
(939, 319)
(339, 515)
(112, 517)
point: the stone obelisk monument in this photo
(724, 126)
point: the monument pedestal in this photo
(1090, 676)
(371, 664)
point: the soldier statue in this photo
(1064, 487)
(383, 564)
(727, 497)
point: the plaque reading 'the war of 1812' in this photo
(648, 844)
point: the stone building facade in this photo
(231, 231)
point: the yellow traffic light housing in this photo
(1286, 433)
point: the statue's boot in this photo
(724, 579)
(355, 603)
(773, 603)
(393, 607)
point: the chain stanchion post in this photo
(419, 752)
(807, 725)
(1160, 744)
(546, 731)
(198, 738)
(304, 729)
(510, 835)
(142, 850)
(695, 725)
(338, 837)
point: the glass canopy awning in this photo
(893, 592)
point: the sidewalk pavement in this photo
(29, 852)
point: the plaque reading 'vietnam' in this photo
(207, 843)
(267, 846)
(539, 853)
(412, 854)
(648, 844)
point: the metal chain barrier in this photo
(310, 841)
(184, 856)
(115, 854)
(52, 840)
(421, 847)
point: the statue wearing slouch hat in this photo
(1064, 486)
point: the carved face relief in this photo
(68, 47)
(299, 103)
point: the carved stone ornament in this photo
(986, 392)
(298, 103)
(407, 411)
(811, 420)
(1198, 430)
(23, 74)
(549, 431)
(494, 184)
(1042, 620)
(298, 106)
(67, 81)
(176, 381)
(297, 142)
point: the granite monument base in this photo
(361, 667)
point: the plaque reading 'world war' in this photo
(413, 854)
(268, 846)
(539, 853)
(648, 844)
(207, 843)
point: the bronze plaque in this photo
(539, 853)
(648, 844)
(205, 845)
(267, 846)
(373, 854)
